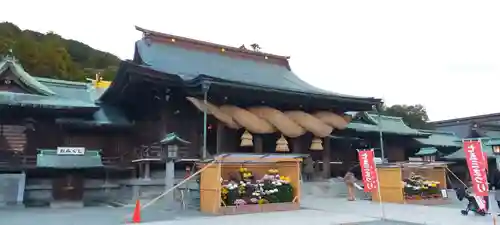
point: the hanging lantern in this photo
(317, 144)
(282, 145)
(246, 139)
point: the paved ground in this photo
(430, 215)
(317, 211)
(88, 216)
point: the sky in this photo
(443, 54)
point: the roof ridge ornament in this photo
(256, 47)
(10, 56)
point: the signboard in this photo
(378, 160)
(70, 151)
(444, 193)
(415, 159)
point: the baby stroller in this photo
(472, 204)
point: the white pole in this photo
(382, 208)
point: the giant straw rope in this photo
(266, 120)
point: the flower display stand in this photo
(395, 185)
(271, 207)
(265, 183)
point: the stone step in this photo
(330, 188)
(66, 204)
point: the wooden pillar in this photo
(141, 171)
(326, 158)
(258, 144)
(296, 148)
(220, 138)
(231, 140)
(133, 174)
(147, 171)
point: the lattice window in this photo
(429, 158)
(91, 142)
(14, 137)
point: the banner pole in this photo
(381, 204)
(382, 208)
(475, 147)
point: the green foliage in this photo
(50, 55)
(285, 193)
(415, 116)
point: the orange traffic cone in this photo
(136, 218)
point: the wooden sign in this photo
(70, 151)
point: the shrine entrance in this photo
(68, 186)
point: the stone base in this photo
(17, 205)
(429, 202)
(245, 209)
(66, 204)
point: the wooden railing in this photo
(17, 161)
(27, 161)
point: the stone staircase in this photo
(188, 195)
(334, 187)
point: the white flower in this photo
(241, 182)
(275, 190)
(248, 182)
(274, 182)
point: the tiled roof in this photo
(107, 115)
(460, 153)
(427, 151)
(9, 63)
(190, 64)
(367, 122)
(59, 94)
(440, 139)
(52, 102)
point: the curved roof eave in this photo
(24, 77)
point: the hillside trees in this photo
(50, 55)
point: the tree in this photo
(255, 47)
(415, 116)
(50, 55)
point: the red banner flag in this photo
(368, 169)
(476, 163)
(485, 161)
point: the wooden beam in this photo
(220, 137)
(326, 158)
(296, 145)
(258, 144)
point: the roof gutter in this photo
(369, 101)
